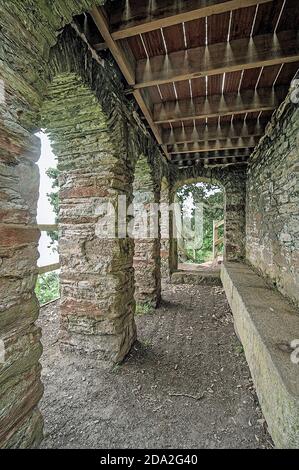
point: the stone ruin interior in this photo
(140, 98)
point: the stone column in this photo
(147, 241)
(235, 218)
(166, 229)
(173, 250)
(20, 348)
(97, 278)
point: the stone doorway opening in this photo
(47, 284)
(202, 211)
(200, 226)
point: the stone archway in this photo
(97, 286)
(109, 318)
(198, 204)
(233, 183)
(97, 277)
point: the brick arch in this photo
(233, 181)
(146, 188)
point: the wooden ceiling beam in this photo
(247, 101)
(214, 59)
(129, 19)
(213, 154)
(213, 162)
(227, 130)
(228, 144)
(238, 157)
(225, 164)
(217, 160)
(126, 63)
(126, 66)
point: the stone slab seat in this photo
(266, 324)
(198, 277)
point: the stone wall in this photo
(147, 242)
(97, 283)
(233, 181)
(166, 229)
(272, 243)
(32, 29)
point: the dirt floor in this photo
(185, 384)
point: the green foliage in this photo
(47, 287)
(144, 308)
(212, 198)
(199, 192)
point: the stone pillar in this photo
(173, 250)
(20, 348)
(235, 218)
(147, 245)
(97, 278)
(166, 232)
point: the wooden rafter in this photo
(233, 162)
(213, 154)
(247, 101)
(214, 145)
(239, 54)
(213, 132)
(215, 140)
(214, 161)
(127, 66)
(144, 16)
(126, 63)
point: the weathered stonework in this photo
(98, 139)
(27, 32)
(32, 30)
(97, 288)
(272, 243)
(166, 229)
(197, 278)
(266, 324)
(147, 249)
(233, 181)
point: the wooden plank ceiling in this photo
(206, 74)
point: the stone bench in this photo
(266, 324)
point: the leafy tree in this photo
(212, 198)
(53, 198)
(47, 287)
